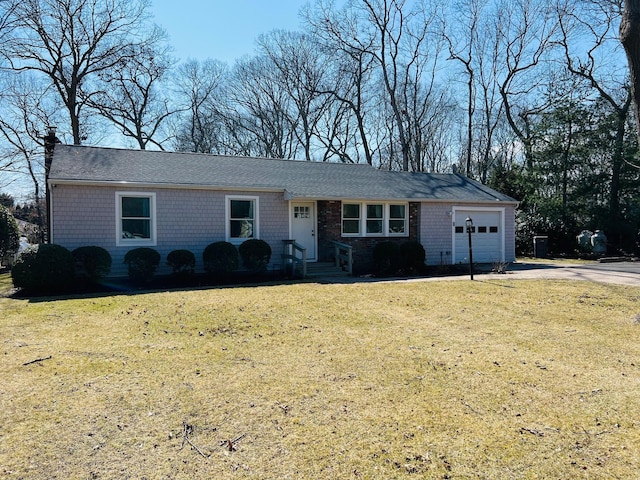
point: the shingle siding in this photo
(436, 232)
(189, 219)
(510, 233)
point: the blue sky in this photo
(222, 29)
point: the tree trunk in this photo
(630, 38)
(617, 161)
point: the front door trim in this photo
(311, 240)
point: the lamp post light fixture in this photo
(469, 224)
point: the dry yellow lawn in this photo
(501, 379)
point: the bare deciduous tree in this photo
(26, 107)
(300, 71)
(71, 42)
(593, 25)
(525, 34)
(462, 48)
(132, 95)
(200, 86)
(264, 108)
(349, 76)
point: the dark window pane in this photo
(374, 211)
(241, 208)
(351, 210)
(493, 229)
(396, 211)
(241, 228)
(374, 226)
(459, 230)
(136, 207)
(351, 226)
(482, 229)
(136, 228)
(396, 226)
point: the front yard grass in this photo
(494, 379)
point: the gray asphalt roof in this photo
(317, 180)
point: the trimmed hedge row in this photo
(390, 257)
(51, 267)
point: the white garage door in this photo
(487, 236)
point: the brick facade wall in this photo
(330, 228)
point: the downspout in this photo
(50, 141)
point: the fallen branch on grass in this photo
(231, 444)
(37, 360)
(471, 408)
(186, 430)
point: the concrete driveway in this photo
(623, 273)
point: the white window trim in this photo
(136, 242)
(385, 220)
(388, 218)
(360, 220)
(227, 217)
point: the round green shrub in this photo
(9, 236)
(386, 257)
(92, 262)
(412, 256)
(44, 268)
(182, 262)
(255, 254)
(142, 263)
(220, 258)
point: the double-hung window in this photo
(397, 219)
(135, 218)
(374, 219)
(242, 218)
(351, 219)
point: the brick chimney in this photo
(50, 141)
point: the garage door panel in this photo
(486, 236)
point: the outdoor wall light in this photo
(469, 224)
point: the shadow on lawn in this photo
(123, 286)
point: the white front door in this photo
(303, 226)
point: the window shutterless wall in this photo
(184, 218)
